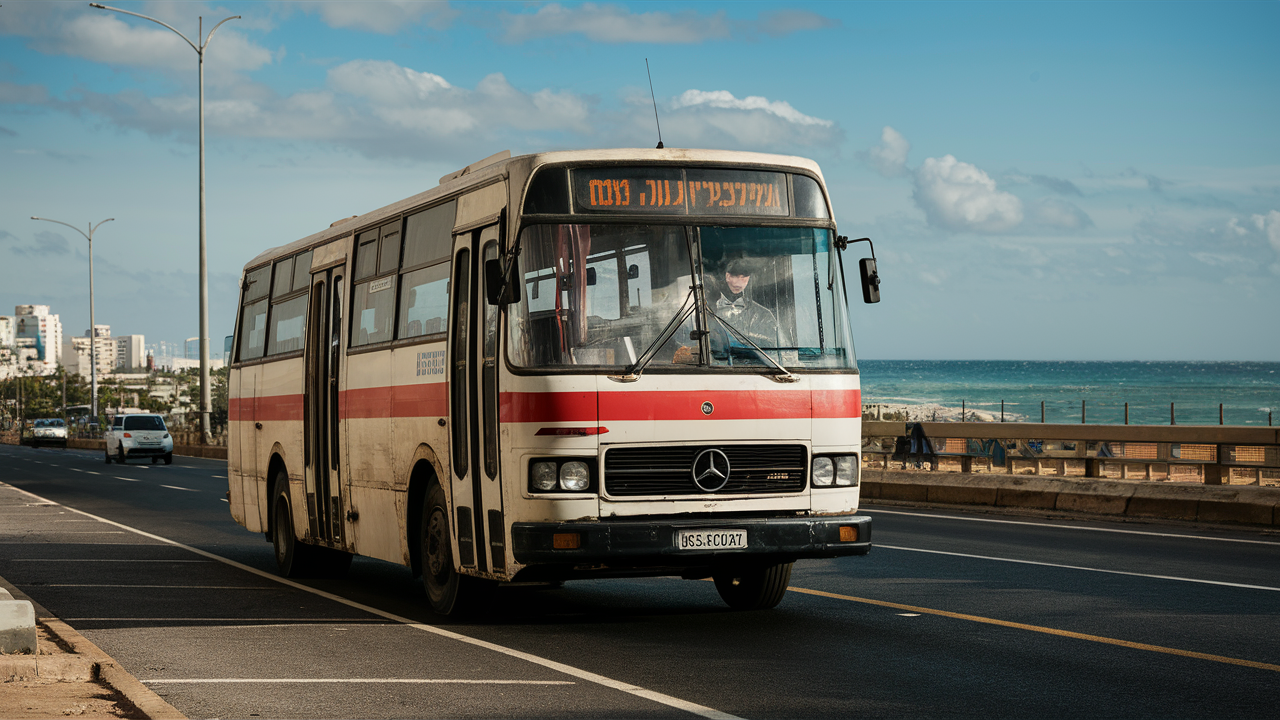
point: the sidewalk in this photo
(68, 676)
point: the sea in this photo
(1157, 393)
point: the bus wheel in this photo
(753, 587)
(292, 557)
(449, 592)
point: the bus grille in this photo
(669, 470)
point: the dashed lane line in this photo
(625, 687)
(1044, 630)
(175, 487)
(362, 681)
(1220, 583)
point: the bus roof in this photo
(501, 164)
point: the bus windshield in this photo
(602, 295)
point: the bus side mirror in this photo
(500, 289)
(870, 280)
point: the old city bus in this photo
(608, 363)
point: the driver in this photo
(746, 315)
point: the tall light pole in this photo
(205, 396)
(93, 329)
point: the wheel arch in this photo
(274, 466)
(425, 473)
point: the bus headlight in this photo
(847, 470)
(543, 476)
(823, 473)
(575, 476)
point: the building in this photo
(129, 356)
(75, 352)
(37, 338)
(191, 349)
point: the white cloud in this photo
(1269, 224)
(718, 119)
(725, 100)
(959, 196)
(1058, 213)
(386, 16)
(889, 158)
(109, 38)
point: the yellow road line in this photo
(1045, 630)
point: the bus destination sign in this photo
(676, 191)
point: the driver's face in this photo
(736, 283)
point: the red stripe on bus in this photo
(548, 407)
(262, 409)
(837, 404)
(688, 405)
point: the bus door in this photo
(320, 423)
(473, 407)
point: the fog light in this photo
(846, 470)
(848, 533)
(570, 541)
(574, 476)
(823, 472)
(543, 476)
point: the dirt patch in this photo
(40, 698)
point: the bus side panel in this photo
(279, 409)
(370, 477)
(837, 430)
(253, 488)
(235, 473)
(419, 401)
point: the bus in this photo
(558, 366)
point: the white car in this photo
(51, 431)
(138, 435)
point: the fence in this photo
(1209, 454)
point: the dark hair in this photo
(740, 266)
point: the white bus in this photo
(606, 363)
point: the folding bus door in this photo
(473, 407)
(321, 419)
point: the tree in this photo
(219, 403)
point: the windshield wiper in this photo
(637, 367)
(783, 375)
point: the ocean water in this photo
(1246, 390)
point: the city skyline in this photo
(1068, 181)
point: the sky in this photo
(1042, 181)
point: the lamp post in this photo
(205, 396)
(93, 329)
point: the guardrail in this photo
(1208, 454)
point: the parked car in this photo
(138, 435)
(50, 431)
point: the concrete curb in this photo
(1218, 504)
(86, 663)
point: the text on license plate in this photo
(711, 539)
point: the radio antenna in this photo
(655, 102)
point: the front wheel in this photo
(753, 587)
(168, 458)
(448, 591)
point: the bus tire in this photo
(293, 558)
(753, 587)
(448, 591)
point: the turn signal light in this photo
(848, 533)
(568, 541)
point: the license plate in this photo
(711, 539)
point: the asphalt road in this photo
(953, 614)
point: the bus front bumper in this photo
(649, 543)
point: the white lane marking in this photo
(175, 487)
(127, 479)
(425, 681)
(224, 477)
(288, 621)
(90, 532)
(92, 472)
(45, 560)
(653, 695)
(225, 500)
(1088, 569)
(1074, 527)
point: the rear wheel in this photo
(293, 558)
(753, 587)
(449, 592)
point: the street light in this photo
(204, 271)
(93, 329)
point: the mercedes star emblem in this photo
(710, 470)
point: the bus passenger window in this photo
(424, 301)
(374, 310)
(253, 330)
(367, 254)
(428, 236)
(288, 320)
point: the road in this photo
(952, 614)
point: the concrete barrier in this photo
(17, 625)
(213, 452)
(1233, 504)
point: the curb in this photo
(1235, 505)
(88, 662)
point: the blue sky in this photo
(1070, 181)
